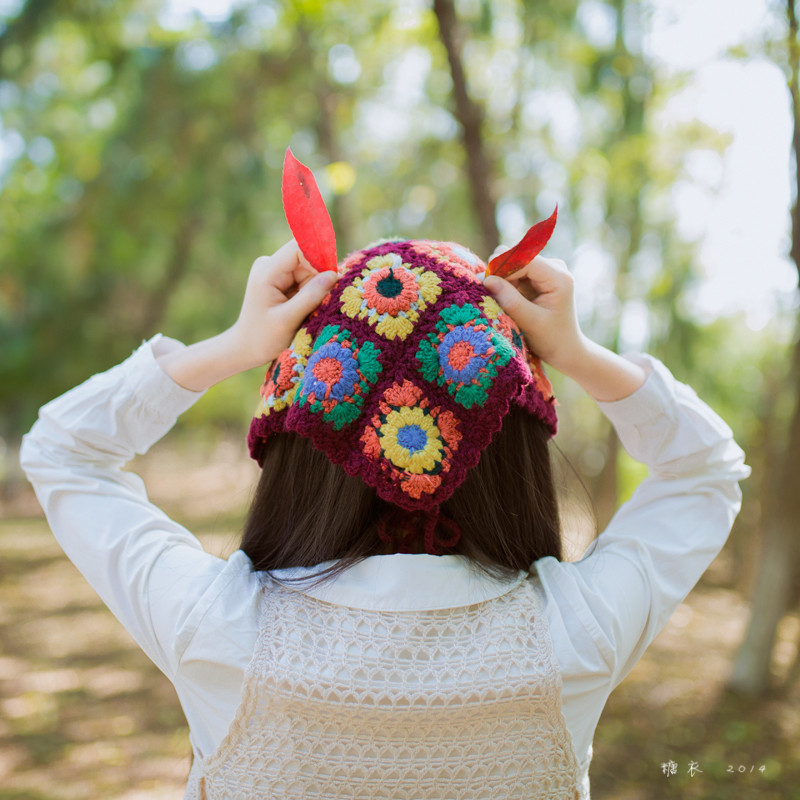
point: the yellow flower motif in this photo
(392, 327)
(428, 283)
(491, 308)
(302, 342)
(386, 260)
(351, 301)
(409, 451)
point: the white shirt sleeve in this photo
(151, 572)
(659, 543)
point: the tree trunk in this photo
(779, 569)
(470, 118)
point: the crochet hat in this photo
(405, 371)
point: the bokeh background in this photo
(141, 143)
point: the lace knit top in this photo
(342, 702)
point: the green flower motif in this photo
(464, 354)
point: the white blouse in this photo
(195, 615)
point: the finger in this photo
(285, 267)
(511, 301)
(306, 278)
(525, 288)
(306, 271)
(546, 274)
(305, 262)
(307, 298)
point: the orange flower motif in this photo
(450, 254)
(285, 374)
(390, 295)
(390, 291)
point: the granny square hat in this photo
(404, 372)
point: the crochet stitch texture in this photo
(459, 703)
(404, 373)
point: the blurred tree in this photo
(627, 146)
(778, 579)
(619, 183)
(470, 118)
(142, 178)
(145, 171)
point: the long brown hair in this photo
(307, 510)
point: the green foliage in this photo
(142, 173)
(230, 404)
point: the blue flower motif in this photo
(463, 352)
(338, 376)
(332, 372)
(412, 437)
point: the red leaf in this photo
(307, 215)
(525, 251)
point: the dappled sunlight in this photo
(674, 706)
(140, 154)
(83, 713)
(208, 482)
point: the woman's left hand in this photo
(282, 290)
(540, 298)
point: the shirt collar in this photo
(401, 582)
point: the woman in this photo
(393, 626)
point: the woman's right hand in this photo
(282, 290)
(540, 298)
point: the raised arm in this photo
(661, 541)
(150, 571)
(540, 298)
(281, 291)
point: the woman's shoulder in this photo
(222, 625)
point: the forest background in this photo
(141, 144)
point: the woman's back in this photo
(197, 616)
(458, 702)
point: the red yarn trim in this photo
(395, 529)
(400, 529)
(437, 545)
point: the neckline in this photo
(401, 582)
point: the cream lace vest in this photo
(341, 702)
